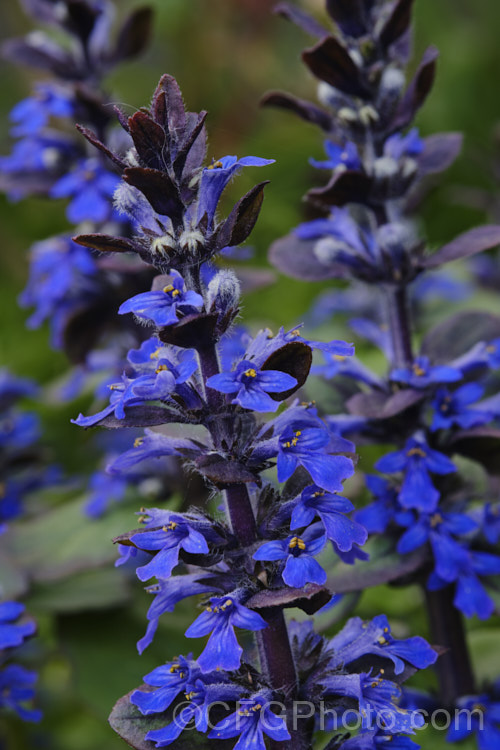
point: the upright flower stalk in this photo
(247, 562)
(436, 402)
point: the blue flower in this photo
(219, 619)
(339, 157)
(439, 286)
(416, 461)
(331, 509)
(167, 542)
(398, 146)
(462, 566)
(251, 722)
(349, 367)
(91, 189)
(374, 695)
(200, 698)
(18, 430)
(152, 445)
(16, 689)
(125, 555)
(492, 352)
(383, 696)
(12, 633)
(168, 592)
(308, 447)
(432, 527)
(162, 306)
(62, 276)
(358, 638)
(168, 374)
(252, 386)
(376, 516)
(170, 679)
(122, 396)
(14, 488)
(453, 408)
(214, 179)
(479, 715)
(491, 522)
(298, 553)
(32, 114)
(39, 157)
(12, 388)
(341, 239)
(421, 374)
(335, 348)
(104, 490)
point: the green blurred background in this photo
(225, 55)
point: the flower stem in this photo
(399, 325)
(238, 502)
(453, 668)
(278, 666)
(241, 514)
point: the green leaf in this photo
(64, 541)
(92, 589)
(13, 582)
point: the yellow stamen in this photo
(170, 289)
(250, 373)
(296, 541)
(216, 165)
(170, 526)
(418, 371)
(161, 368)
(436, 519)
(416, 452)
(138, 442)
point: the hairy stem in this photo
(241, 514)
(453, 668)
(399, 325)
(238, 503)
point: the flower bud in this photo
(223, 292)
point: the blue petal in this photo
(223, 382)
(222, 650)
(301, 570)
(286, 466)
(417, 490)
(255, 399)
(271, 551)
(274, 381)
(413, 538)
(327, 471)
